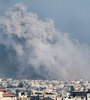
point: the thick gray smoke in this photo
(33, 48)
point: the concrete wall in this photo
(76, 98)
(9, 98)
(59, 98)
(1, 94)
(88, 96)
(28, 98)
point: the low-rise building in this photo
(6, 96)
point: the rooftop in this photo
(8, 95)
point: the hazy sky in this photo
(70, 16)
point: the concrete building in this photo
(6, 96)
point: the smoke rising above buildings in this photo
(32, 48)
